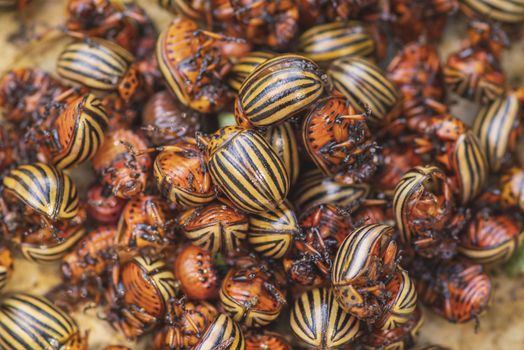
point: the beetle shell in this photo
(98, 64)
(506, 11)
(187, 8)
(215, 227)
(45, 189)
(104, 209)
(339, 141)
(401, 302)
(183, 59)
(266, 340)
(168, 119)
(6, 266)
(246, 169)
(144, 224)
(80, 129)
(366, 87)
(196, 271)
(91, 256)
(497, 126)
(252, 296)
(123, 172)
(278, 89)
(224, 334)
(367, 254)
(512, 188)
(282, 139)
(271, 233)
(181, 175)
(319, 321)
(491, 238)
(245, 65)
(314, 188)
(45, 246)
(21, 318)
(327, 42)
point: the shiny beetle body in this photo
(266, 340)
(139, 295)
(117, 165)
(325, 43)
(319, 321)
(314, 188)
(195, 270)
(224, 334)
(215, 227)
(21, 318)
(245, 65)
(91, 257)
(79, 132)
(6, 266)
(492, 238)
(181, 175)
(271, 233)
(193, 66)
(365, 256)
(396, 160)
(366, 88)
(246, 169)
(44, 189)
(101, 65)
(105, 208)
(282, 139)
(252, 294)
(324, 227)
(497, 126)
(184, 325)
(505, 11)
(339, 140)
(278, 89)
(145, 223)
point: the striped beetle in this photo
(318, 320)
(497, 126)
(278, 89)
(366, 88)
(506, 11)
(245, 168)
(22, 320)
(327, 42)
(222, 334)
(245, 65)
(367, 255)
(271, 233)
(101, 65)
(282, 139)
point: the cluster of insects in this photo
(261, 162)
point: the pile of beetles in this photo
(261, 165)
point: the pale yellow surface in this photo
(501, 328)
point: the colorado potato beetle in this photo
(224, 334)
(318, 320)
(145, 223)
(105, 208)
(366, 88)
(327, 42)
(491, 238)
(184, 325)
(266, 340)
(339, 141)
(314, 188)
(282, 139)
(271, 233)
(139, 294)
(396, 159)
(6, 266)
(215, 227)
(101, 65)
(246, 169)
(193, 65)
(497, 126)
(181, 174)
(43, 189)
(506, 11)
(278, 89)
(119, 167)
(366, 255)
(244, 66)
(196, 272)
(22, 320)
